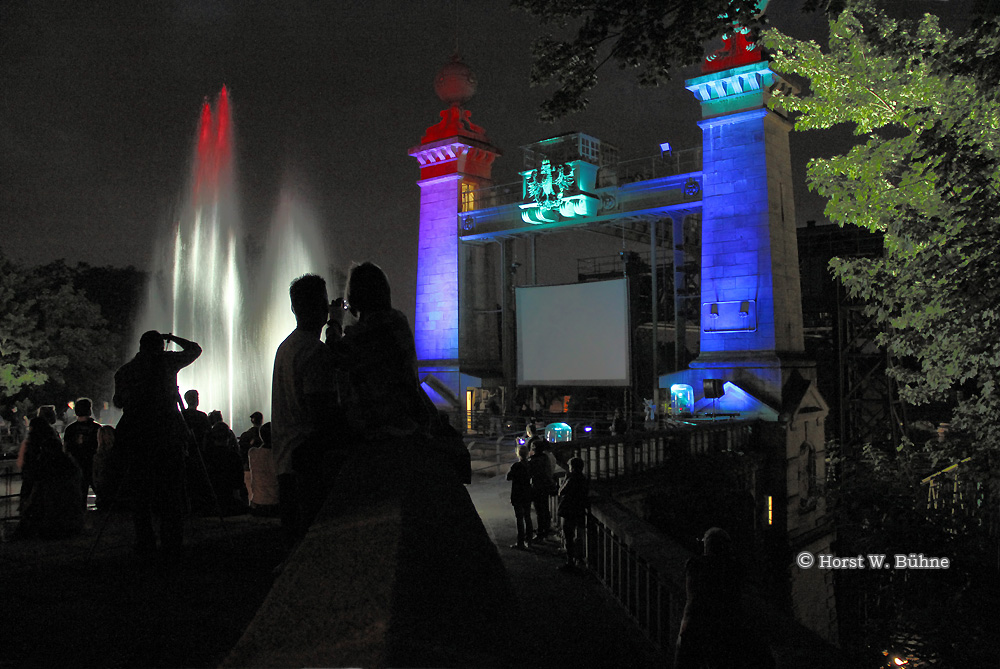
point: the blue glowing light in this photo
(737, 285)
(736, 401)
(555, 432)
(681, 399)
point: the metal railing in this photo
(653, 167)
(608, 457)
(619, 173)
(645, 595)
(10, 489)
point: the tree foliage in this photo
(55, 344)
(21, 365)
(652, 39)
(926, 173)
(925, 106)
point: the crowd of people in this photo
(533, 483)
(166, 458)
(60, 472)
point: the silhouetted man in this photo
(154, 437)
(303, 401)
(714, 630)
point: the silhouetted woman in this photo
(109, 467)
(382, 397)
(53, 508)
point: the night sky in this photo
(100, 102)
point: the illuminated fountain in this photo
(203, 289)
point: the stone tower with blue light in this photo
(751, 310)
(751, 335)
(751, 331)
(456, 158)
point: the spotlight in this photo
(713, 388)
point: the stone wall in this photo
(394, 572)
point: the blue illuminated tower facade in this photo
(751, 310)
(456, 158)
(751, 331)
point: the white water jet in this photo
(202, 288)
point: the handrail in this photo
(624, 172)
(632, 562)
(637, 576)
(10, 478)
(608, 457)
(658, 166)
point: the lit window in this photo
(468, 196)
(468, 410)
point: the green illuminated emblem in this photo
(548, 185)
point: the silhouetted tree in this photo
(652, 39)
(54, 342)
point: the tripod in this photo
(128, 481)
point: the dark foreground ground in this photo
(62, 605)
(85, 602)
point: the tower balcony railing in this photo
(639, 169)
(650, 167)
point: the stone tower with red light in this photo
(456, 158)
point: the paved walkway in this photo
(569, 620)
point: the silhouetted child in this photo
(263, 476)
(543, 484)
(574, 500)
(80, 439)
(520, 497)
(225, 469)
(109, 469)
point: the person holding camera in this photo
(154, 437)
(377, 362)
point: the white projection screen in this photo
(573, 335)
